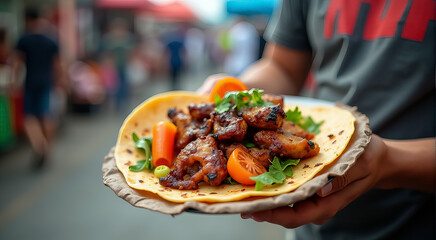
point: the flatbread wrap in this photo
(335, 133)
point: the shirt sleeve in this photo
(288, 25)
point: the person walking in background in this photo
(175, 53)
(39, 54)
(118, 43)
(195, 45)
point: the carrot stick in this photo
(163, 143)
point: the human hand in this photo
(365, 174)
(210, 82)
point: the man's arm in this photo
(409, 164)
(280, 71)
(59, 74)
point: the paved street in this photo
(68, 199)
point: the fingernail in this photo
(326, 189)
(330, 179)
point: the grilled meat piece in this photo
(274, 99)
(296, 130)
(188, 129)
(268, 117)
(263, 156)
(213, 169)
(201, 111)
(285, 144)
(183, 123)
(229, 126)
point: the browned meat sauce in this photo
(213, 163)
(270, 117)
(285, 144)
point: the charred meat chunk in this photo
(183, 123)
(274, 99)
(200, 160)
(263, 156)
(201, 111)
(228, 125)
(296, 130)
(188, 129)
(285, 144)
(268, 117)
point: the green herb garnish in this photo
(229, 180)
(277, 173)
(249, 145)
(240, 99)
(305, 123)
(144, 144)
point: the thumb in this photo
(337, 184)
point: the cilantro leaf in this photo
(138, 167)
(277, 173)
(306, 123)
(312, 126)
(287, 166)
(262, 179)
(144, 144)
(240, 99)
(294, 116)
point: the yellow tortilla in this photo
(335, 133)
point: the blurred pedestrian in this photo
(175, 55)
(195, 43)
(118, 42)
(39, 54)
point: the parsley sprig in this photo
(240, 99)
(144, 144)
(305, 123)
(277, 173)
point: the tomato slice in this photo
(241, 166)
(226, 84)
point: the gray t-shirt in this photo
(380, 57)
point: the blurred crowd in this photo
(127, 56)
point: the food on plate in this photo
(208, 137)
(286, 144)
(202, 161)
(253, 120)
(242, 166)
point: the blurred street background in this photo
(105, 58)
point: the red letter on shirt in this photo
(378, 26)
(416, 24)
(347, 14)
